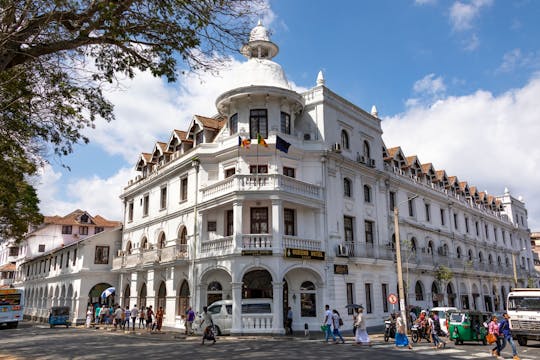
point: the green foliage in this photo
(56, 56)
(443, 274)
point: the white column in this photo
(150, 291)
(236, 327)
(133, 290)
(277, 226)
(237, 224)
(170, 300)
(277, 320)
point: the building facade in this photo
(67, 261)
(289, 196)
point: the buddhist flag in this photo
(260, 140)
(282, 145)
(244, 142)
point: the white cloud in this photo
(430, 84)
(489, 141)
(424, 2)
(515, 59)
(472, 43)
(463, 14)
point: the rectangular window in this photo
(163, 198)
(477, 226)
(260, 169)
(350, 297)
(443, 215)
(392, 198)
(369, 231)
(98, 229)
(411, 207)
(183, 189)
(229, 172)
(287, 171)
(74, 257)
(258, 123)
(385, 297)
(285, 123)
(455, 221)
(467, 225)
(233, 124)
(146, 204)
(101, 255)
(348, 228)
(259, 220)
(61, 260)
(67, 259)
(211, 226)
(13, 251)
(495, 233)
(83, 230)
(67, 229)
(288, 218)
(486, 231)
(369, 308)
(428, 212)
(230, 223)
(130, 211)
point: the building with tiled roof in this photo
(291, 196)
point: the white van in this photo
(441, 312)
(221, 312)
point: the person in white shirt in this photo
(328, 323)
(118, 316)
(361, 336)
(134, 313)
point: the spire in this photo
(374, 111)
(259, 45)
(320, 78)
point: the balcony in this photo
(262, 182)
(365, 250)
(167, 254)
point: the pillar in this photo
(277, 321)
(150, 289)
(237, 225)
(277, 226)
(236, 327)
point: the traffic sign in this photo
(392, 299)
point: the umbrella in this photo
(107, 292)
(353, 306)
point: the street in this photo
(31, 341)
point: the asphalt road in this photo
(31, 341)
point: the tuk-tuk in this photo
(59, 315)
(468, 325)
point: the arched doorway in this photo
(435, 294)
(257, 284)
(450, 293)
(162, 296)
(127, 294)
(183, 298)
(214, 292)
(142, 296)
(308, 299)
(94, 296)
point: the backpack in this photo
(340, 321)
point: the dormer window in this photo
(344, 140)
(199, 138)
(84, 218)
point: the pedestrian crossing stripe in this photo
(438, 351)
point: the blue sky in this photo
(456, 83)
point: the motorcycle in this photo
(389, 330)
(418, 333)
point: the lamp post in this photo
(401, 291)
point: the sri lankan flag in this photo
(244, 142)
(260, 140)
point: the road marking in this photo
(439, 351)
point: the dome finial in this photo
(259, 23)
(374, 111)
(320, 78)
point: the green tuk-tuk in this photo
(468, 325)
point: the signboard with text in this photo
(304, 254)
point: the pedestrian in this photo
(361, 336)
(493, 328)
(89, 314)
(149, 318)
(142, 317)
(103, 314)
(208, 323)
(159, 319)
(433, 321)
(401, 334)
(337, 322)
(118, 314)
(134, 314)
(327, 324)
(97, 314)
(127, 316)
(189, 321)
(288, 322)
(506, 333)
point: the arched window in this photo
(480, 257)
(458, 252)
(214, 292)
(233, 124)
(419, 291)
(499, 261)
(142, 296)
(128, 248)
(162, 296)
(347, 188)
(162, 241)
(344, 140)
(435, 294)
(183, 298)
(144, 244)
(367, 151)
(430, 247)
(367, 193)
(490, 259)
(469, 255)
(127, 294)
(413, 245)
(308, 305)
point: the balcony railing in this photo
(267, 182)
(366, 250)
(299, 243)
(164, 255)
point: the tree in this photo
(56, 56)
(443, 275)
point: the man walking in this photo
(189, 321)
(288, 322)
(328, 324)
(504, 330)
(134, 314)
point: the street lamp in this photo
(401, 291)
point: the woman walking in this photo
(362, 337)
(493, 328)
(401, 334)
(142, 317)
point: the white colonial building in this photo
(303, 214)
(66, 261)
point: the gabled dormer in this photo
(203, 129)
(475, 196)
(144, 164)
(414, 165)
(464, 188)
(398, 159)
(85, 218)
(441, 178)
(161, 154)
(429, 172)
(453, 184)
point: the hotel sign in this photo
(304, 254)
(256, 252)
(341, 269)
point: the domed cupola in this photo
(258, 76)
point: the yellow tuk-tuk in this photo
(468, 325)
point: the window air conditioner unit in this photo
(342, 251)
(372, 163)
(336, 147)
